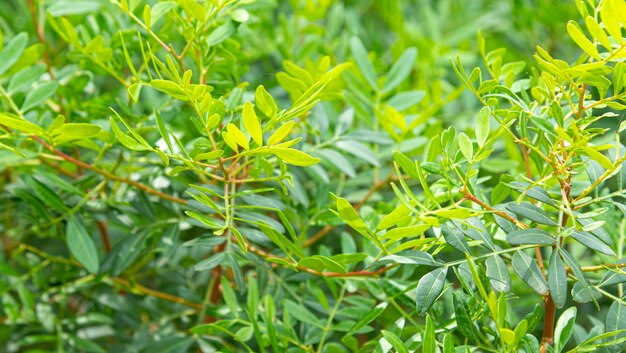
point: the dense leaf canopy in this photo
(312, 176)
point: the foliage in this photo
(276, 176)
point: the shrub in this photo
(239, 175)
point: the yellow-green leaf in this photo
(252, 124)
(280, 133)
(582, 41)
(295, 157)
(238, 135)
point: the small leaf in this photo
(363, 62)
(590, 241)
(20, 125)
(252, 124)
(400, 69)
(530, 236)
(210, 263)
(616, 321)
(395, 341)
(238, 135)
(557, 280)
(429, 344)
(465, 145)
(455, 238)
(265, 103)
(498, 273)
(531, 212)
(81, 245)
(428, 289)
(12, 52)
(207, 221)
(38, 95)
(528, 270)
(581, 40)
(295, 157)
(564, 328)
(396, 216)
(302, 314)
(126, 140)
(482, 126)
(280, 133)
(370, 316)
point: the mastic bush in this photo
(312, 176)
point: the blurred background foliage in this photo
(147, 295)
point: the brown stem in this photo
(548, 323)
(104, 235)
(484, 205)
(138, 288)
(107, 174)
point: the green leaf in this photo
(455, 238)
(531, 212)
(590, 241)
(280, 134)
(498, 273)
(528, 270)
(609, 13)
(396, 216)
(49, 197)
(581, 40)
(466, 147)
(75, 131)
(359, 150)
(448, 343)
(464, 322)
(410, 257)
(170, 88)
(482, 126)
(534, 192)
(363, 62)
(126, 140)
(210, 263)
(616, 321)
(210, 223)
(530, 236)
(293, 156)
(12, 51)
(72, 7)
(429, 344)
(252, 124)
(564, 328)
(238, 135)
(20, 125)
(557, 280)
(370, 316)
(400, 69)
(81, 245)
(429, 288)
(395, 341)
(404, 232)
(265, 103)
(25, 78)
(302, 314)
(38, 95)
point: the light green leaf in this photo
(125, 139)
(20, 125)
(252, 124)
(210, 263)
(12, 52)
(293, 156)
(395, 341)
(428, 289)
(396, 216)
(400, 69)
(81, 245)
(369, 317)
(582, 41)
(265, 103)
(38, 95)
(466, 147)
(363, 62)
(482, 126)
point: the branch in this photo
(107, 174)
